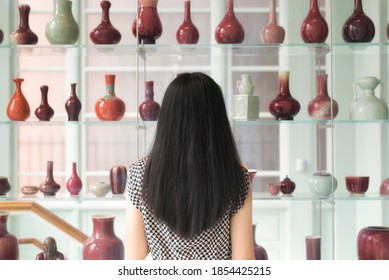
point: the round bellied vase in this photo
(373, 243)
(322, 183)
(287, 186)
(187, 32)
(147, 26)
(384, 187)
(18, 108)
(314, 28)
(49, 187)
(322, 107)
(229, 30)
(73, 104)
(24, 35)
(105, 32)
(44, 112)
(74, 183)
(9, 245)
(259, 251)
(149, 108)
(272, 33)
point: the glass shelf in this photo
(345, 196)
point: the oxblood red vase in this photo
(74, 183)
(103, 244)
(110, 107)
(259, 251)
(5, 187)
(73, 104)
(49, 187)
(322, 107)
(44, 112)
(149, 109)
(24, 35)
(384, 187)
(18, 108)
(118, 179)
(287, 186)
(284, 106)
(373, 243)
(358, 28)
(147, 25)
(272, 33)
(229, 30)
(314, 28)
(9, 245)
(187, 33)
(105, 32)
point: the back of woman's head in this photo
(193, 169)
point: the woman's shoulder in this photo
(138, 165)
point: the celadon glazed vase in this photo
(245, 104)
(322, 183)
(62, 28)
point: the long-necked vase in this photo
(105, 32)
(73, 104)
(187, 33)
(74, 183)
(358, 28)
(272, 33)
(149, 109)
(18, 108)
(259, 251)
(322, 107)
(147, 26)
(44, 112)
(49, 187)
(229, 30)
(24, 35)
(9, 245)
(314, 28)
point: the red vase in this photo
(9, 245)
(373, 243)
(229, 30)
(74, 183)
(18, 108)
(147, 25)
(149, 109)
(105, 32)
(287, 186)
(49, 187)
(5, 187)
(284, 106)
(44, 112)
(384, 187)
(73, 104)
(103, 243)
(358, 28)
(110, 107)
(118, 179)
(24, 35)
(314, 28)
(322, 107)
(259, 251)
(272, 33)
(187, 33)
(1, 36)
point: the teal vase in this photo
(62, 28)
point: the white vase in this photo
(245, 104)
(321, 183)
(245, 85)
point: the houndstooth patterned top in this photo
(213, 243)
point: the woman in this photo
(190, 198)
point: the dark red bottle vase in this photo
(103, 244)
(44, 112)
(105, 32)
(322, 107)
(284, 106)
(9, 245)
(259, 251)
(73, 104)
(118, 179)
(49, 187)
(24, 35)
(358, 28)
(187, 33)
(314, 28)
(147, 26)
(149, 109)
(229, 30)
(74, 183)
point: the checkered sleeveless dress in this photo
(212, 244)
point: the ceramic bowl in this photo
(100, 189)
(357, 185)
(274, 188)
(29, 190)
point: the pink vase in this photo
(44, 112)
(74, 183)
(118, 179)
(358, 28)
(229, 30)
(272, 33)
(73, 104)
(259, 251)
(103, 244)
(187, 33)
(373, 243)
(322, 107)
(313, 247)
(384, 187)
(105, 32)
(9, 245)
(149, 109)
(314, 28)
(49, 187)
(147, 27)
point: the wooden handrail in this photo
(46, 215)
(34, 241)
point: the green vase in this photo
(62, 28)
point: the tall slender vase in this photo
(9, 245)
(259, 251)
(373, 243)
(314, 28)
(73, 104)
(322, 107)
(358, 28)
(149, 109)
(62, 28)
(272, 33)
(147, 26)
(24, 35)
(118, 179)
(18, 108)
(103, 244)
(229, 30)
(187, 33)
(74, 183)
(105, 32)
(49, 187)
(284, 106)
(44, 112)
(110, 107)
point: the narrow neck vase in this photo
(229, 30)
(187, 33)
(272, 33)
(358, 28)
(314, 28)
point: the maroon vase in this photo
(229, 30)
(24, 35)
(387, 30)
(314, 28)
(187, 33)
(259, 251)
(103, 244)
(358, 28)
(272, 33)
(73, 104)
(105, 32)
(287, 186)
(5, 187)
(384, 187)
(149, 109)
(313, 247)
(118, 179)
(322, 107)
(373, 243)
(74, 183)
(49, 187)
(147, 26)
(44, 112)
(9, 245)
(1, 36)
(284, 106)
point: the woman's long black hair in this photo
(193, 171)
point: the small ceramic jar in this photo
(287, 186)
(321, 183)
(100, 189)
(30, 190)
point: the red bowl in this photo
(357, 184)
